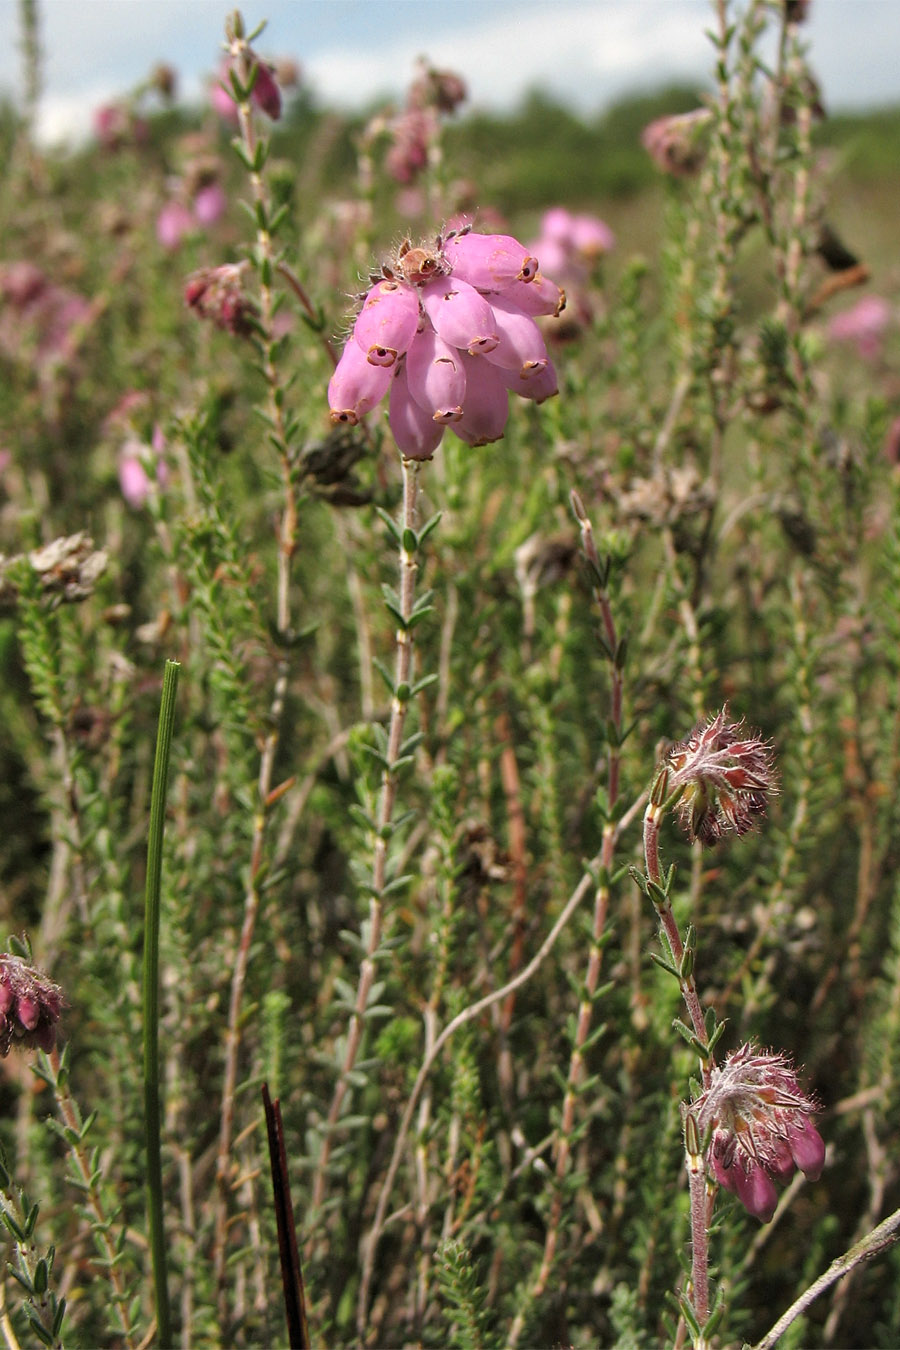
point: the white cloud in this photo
(585, 52)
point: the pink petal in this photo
(356, 386)
(557, 224)
(756, 1191)
(808, 1151)
(387, 322)
(209, 204)
(133, 481)
(538, 385)
(592, 236)
(28, 1012)
(460, 314)
(414, 429)
(720, 1161)
(266, 94)
(487, 403)
(172, 224)
(779, 1161)
(521, 347)
(436, 377)
(489, 261)
(539, 296)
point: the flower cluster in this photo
(433, 94)
(677, 144)
(725, 773)
(864, 324)
(30, 1006)
(218, 294)
(40, 321)
(142, 468)
(760, 1125)
(569, 247)
(450, 331)
(567, 242)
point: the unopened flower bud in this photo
(217, 294)
(761, 1128)
(30, 1007)
(725, 774)
(677, 144)
(266, 94)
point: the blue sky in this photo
(587, 52)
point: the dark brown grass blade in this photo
(291, 1274)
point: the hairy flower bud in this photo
(760, 1125)
(725, 774)
(217, 294)
(30, 1006)
(678, 144)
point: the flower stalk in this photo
(406, 613)
(152, 1105)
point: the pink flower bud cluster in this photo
(433, 94)
(142, 468)
(450, 331)
(761, 1128)
(33, 307)
(442, 90)
(176, 218)
(569, 246)
(864, 324)
(217, 294)
(567, 242)
(412, 132)
(677, 144)
(30, 1006)
(725, 774)
(117, 124)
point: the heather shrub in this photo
(449, 738)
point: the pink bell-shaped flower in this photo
(450, 330)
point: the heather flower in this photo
(442, 90)
(30, 1006)
(217, 294)
(569, 246)
(725, 774)
(575, 238)
(221, 98)
(136, 461)
(209, 204)
(173, 222)
(864, 324)
(112, 123)
(164, 79)
(760, 1127)
(411, 134)
(53, 315)
(265, 94)
(450, 330)
(677, 144)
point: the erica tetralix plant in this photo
(450, 330)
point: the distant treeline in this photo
(542, 152)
